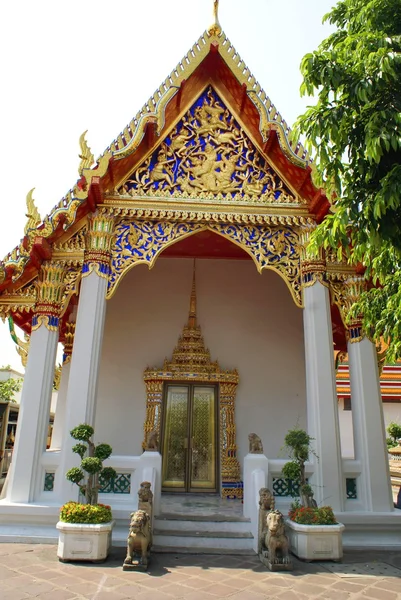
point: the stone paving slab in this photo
(34, 571)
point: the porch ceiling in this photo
(205, 244)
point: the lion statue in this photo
(276, 541)
(255, 444)
(139, 539)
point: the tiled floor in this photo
(33, 571)
(205, 505)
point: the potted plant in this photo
(313, 531)
(85, 528)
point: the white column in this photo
(322, 408)
(26, 479)
(59, 417)
(83, 379)
(373, 484)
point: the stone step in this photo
(166, 524)
(206, 533)
(216, 518)
(203, 550)
(217, 540)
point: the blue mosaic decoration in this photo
(208, 153)
(232, 490)
(140, 242)
(118, 485)
(49, 482)
(285, 487)
(51, 322)
(351, 488)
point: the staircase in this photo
(206, 534)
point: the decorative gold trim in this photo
(49, 321)
(99, 239)
(345, 292)
(21, 347)
(50, 286)
(141, 242)
(86, 156)
(191, 363)
(68, 340)
(154, 109)
(23, 300)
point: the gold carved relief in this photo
(208, 156)
(141, 242)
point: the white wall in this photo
(391, 412)
(249, 322)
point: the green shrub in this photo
(75, 512)
(87, 475)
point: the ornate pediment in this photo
(208, 156)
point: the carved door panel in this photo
(189, 439)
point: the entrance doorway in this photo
(190, 438)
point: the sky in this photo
(91, 64)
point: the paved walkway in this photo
(33, 571)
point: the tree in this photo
(87, 475)
(9, 387)
(394, 431)
(355, 132)
(298, 445)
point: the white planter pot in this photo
(84, 541)
(316, 542)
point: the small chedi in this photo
(273, 544)
(255, 444)
(139, 541)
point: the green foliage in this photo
(103, 451)
(297, 443)
(87, 475)
(8, 388)
(82, 432)
(291, 470)
(74, 512)
(394, 431)
(80, 449)
(75, 475)
(91, 464)
(108, 473)
(312, 516)
(354, 130)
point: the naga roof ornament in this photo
(33, 215)
(86, 156)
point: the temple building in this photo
(176, 274)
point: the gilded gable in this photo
(208, 156)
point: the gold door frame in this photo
(226, 383)
(189, 485)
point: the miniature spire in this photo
(215, 27)
(192, 304)
(32, 213)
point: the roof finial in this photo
(215, 28)
(192, 304)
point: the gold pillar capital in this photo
(313, 266)
(353, 288)
(50, 288)
(98, 243)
